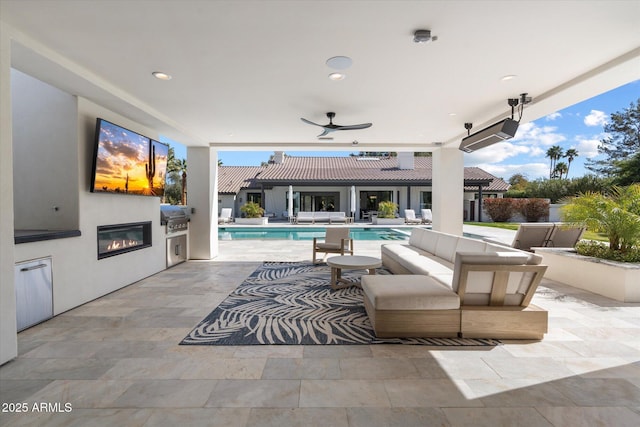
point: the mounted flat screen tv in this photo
(126, 162)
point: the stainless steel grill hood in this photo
(501, 131)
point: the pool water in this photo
(301, 233)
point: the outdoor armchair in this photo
(336, 241)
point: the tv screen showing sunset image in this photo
(127, 162)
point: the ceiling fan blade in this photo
(353, 127)
(325, 132)
(310, 122)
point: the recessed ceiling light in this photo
(336, 76)
(508, 77)
(452, 114)
(161, 76)
(339, 62)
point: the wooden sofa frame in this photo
(495, 320)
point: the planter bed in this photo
(616, 280)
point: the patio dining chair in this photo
(410, 217)
(336, 241)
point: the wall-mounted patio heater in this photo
(501, 131)
(497, 132)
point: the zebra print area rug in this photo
(291, 303)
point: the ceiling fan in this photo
(330, 127)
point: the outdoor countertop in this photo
(29, 236)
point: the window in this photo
(425, 200)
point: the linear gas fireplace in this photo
(121, 238)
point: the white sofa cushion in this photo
(446, 247)
(429, 240)
(470, 245)
(408, 292)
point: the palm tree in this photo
(616, 215)
(571, 154)
(553, 153)
(560, 169)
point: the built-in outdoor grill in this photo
(176, 220)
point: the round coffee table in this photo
(354, 262)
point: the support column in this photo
(448, 190)
(480, 203)
(8, 334)
(203, 200)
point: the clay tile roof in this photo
(350, 168)
(232, 179)
(475, 173)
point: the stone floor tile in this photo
(599, 391)
(166, 394)
(255, 394)
(517, 392)
(342, 393)
(491, 417)
(303, 417)
(377, 369)
(596, 416)
(430, 393)
(396, 417)
(198, 417)
(223, 369)
(310, 369)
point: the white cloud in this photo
(595, 118)
(587, 147)
(531, 170)
(553, 116)
(495, 153)
(531, 135)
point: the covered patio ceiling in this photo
(245, 72)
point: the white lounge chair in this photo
(410, 217)
(336, 241)
(427, 216)
(565, 236)
(225, 216)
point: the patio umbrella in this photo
(290, 212)
(353, 198)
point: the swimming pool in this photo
(302, 233)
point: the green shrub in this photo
(616, 215)
(387, 210)
(600, 250)
(252, 210)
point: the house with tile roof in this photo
(326, 184)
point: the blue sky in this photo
(579, 126)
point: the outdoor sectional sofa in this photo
(321, 216)
(450, 286)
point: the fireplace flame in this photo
(121, 244)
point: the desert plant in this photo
(252, 210)
(616, 215)
(387, 210)
(532, 209)
(499, 210)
